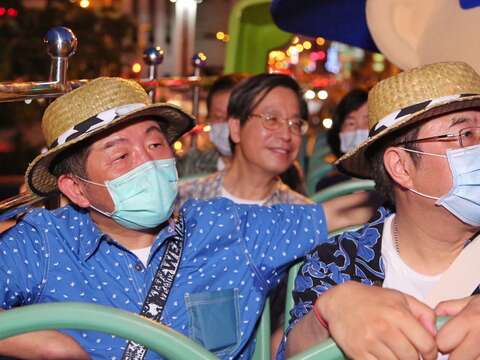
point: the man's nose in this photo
(285, 130)
(143, 155)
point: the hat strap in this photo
(399, 115)
(95, 122)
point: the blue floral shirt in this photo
(352, 255)
(233, 256)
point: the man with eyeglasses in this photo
(266, 122)
(266, 118)
(377, 291)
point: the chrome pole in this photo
(153, 57)
(61, 43)
(199, 61)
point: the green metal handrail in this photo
(157, 337)
(343, 188)
(328, 350)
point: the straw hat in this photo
(411, 33)
(410, 96)
(92, 108)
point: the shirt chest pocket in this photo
(214, 319)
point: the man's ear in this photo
(71, 187)
(234, 127)
(400, 166)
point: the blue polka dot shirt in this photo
(233, 256)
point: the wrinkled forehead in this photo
(452, 121)
(137, 130)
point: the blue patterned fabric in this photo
(353, 255)
(233, 256)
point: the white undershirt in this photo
(224, 193)
(399, 276)
(142, 254)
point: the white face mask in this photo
(219, 135)
(351, 139)
(463, 199)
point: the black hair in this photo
(384, 184)
(72, 161)
(248, 94)
(352, 101)
(223, 83)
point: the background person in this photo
(266, 118)
(218, 158)
(349, 129)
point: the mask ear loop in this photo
(90, 182)
(423, 153)
(424, 195)
(105, 213)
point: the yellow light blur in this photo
(322, 94)
(177, 145)
(84, 3)
(327, 123)
(307, 45)
(309, 94)
(220, 35)
(276, 55)
(202, 56)
(378, 66)
(299, 47)
(295, 40)
(320, 41)
(136, 68)
(207, 128)
(378, 57)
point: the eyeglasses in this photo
(466, 137)
(297, 125)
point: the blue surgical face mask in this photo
(145, 196)
(351, 139)
(219, 135)
(463, 199)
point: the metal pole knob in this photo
(153, 56)
(199, 60)
(61, 43)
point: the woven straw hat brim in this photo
(174, 122)
(358, 165)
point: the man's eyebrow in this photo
(153, 128)
(113, 142)
(456, 120)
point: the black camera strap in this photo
(161, 284)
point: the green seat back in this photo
(343, 188)
(262, 347)
(157, 337)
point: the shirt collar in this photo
(93, 236)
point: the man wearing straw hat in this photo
(423, 152)
(206, 272)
